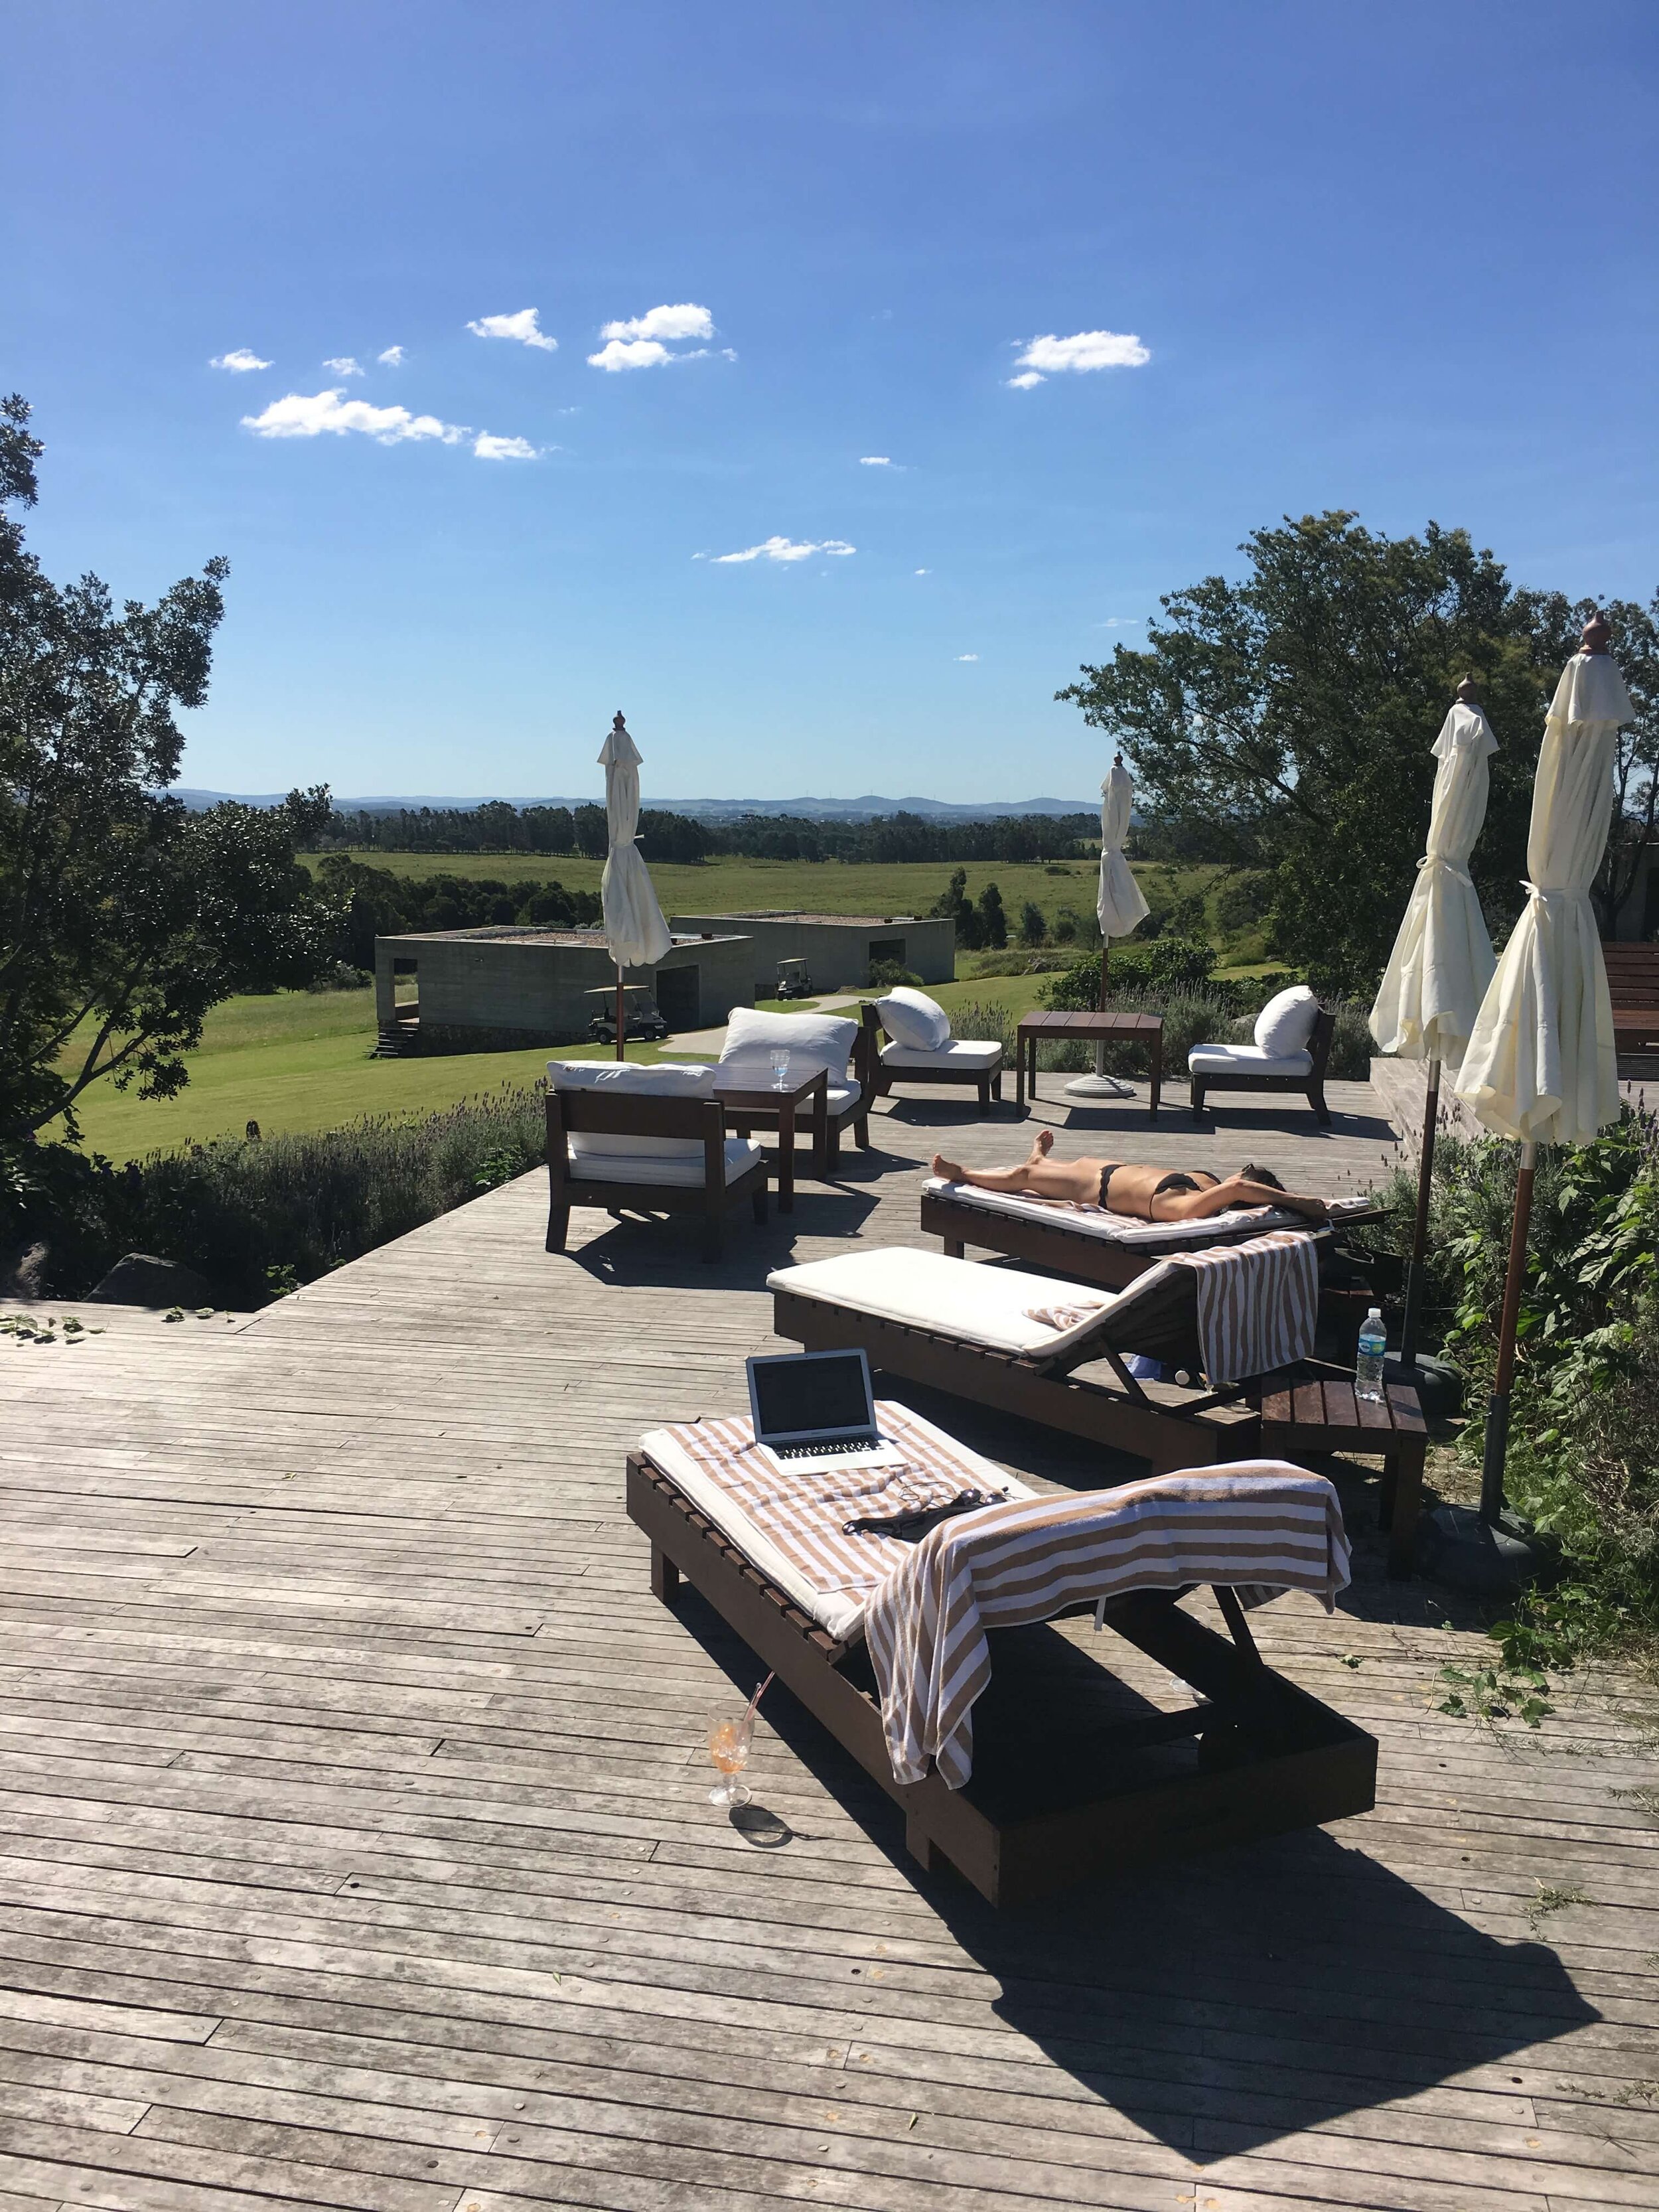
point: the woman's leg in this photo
(1039, 1175)
(1013, 1178)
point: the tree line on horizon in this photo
(669, 837)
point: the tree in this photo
(1288, 719)
(123, 917)
(993, 922)
(1033, 927)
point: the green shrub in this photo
(253, 1216)
(884, 974)
(1582, 1462)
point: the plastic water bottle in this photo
(1373, 1350)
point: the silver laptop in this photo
(814, 1411)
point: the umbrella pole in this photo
(1420, 1233)
(1498, 1411)
(621, 1053)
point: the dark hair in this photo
(1250, 1173)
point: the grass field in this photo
(741, 886)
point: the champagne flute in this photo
(729, 1739)
(780, 1070)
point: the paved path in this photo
(355, 1847)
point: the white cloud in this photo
(238, 362)
(783, 549)
(523, 327)
(1119, 622)
(1084, 349)
(628, 352)
(874, 461)
(391, 358)
(490, 448)
(297, 415)
(343, 364)
(924, 572)
(967, 656)
(686, 321)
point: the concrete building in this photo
(498, 989)
(837, 948)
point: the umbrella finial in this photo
(1597, 635)
(1467, 695)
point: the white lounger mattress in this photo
(1125, 1228)
(993, 1307)
(834, 1610)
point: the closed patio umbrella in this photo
(1441, 960)
(1120, 904)
(1540, 1065)
(634, 931)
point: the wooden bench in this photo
(1633, 985)
(1326, 1414)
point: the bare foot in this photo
(1042, 1144)
(950, 1169)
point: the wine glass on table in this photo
(729, 1738)
(780, 1071)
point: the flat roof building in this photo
(503, 988)
(838, 948)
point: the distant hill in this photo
(701, 810)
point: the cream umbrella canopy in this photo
(634, 931)
(1441, 960)
(1540, 1065)
(1119, 905)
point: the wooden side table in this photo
(748, 1104)
(1327, 1415)
(1091, 1028)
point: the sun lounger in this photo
(1066, 1771)
(1087, 1243)
(971, 1327)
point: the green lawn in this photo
(739, 886)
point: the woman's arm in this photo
(1223, 1197)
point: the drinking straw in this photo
(749, 1712)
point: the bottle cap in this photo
(1376, 1313)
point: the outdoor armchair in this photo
(645, 1140)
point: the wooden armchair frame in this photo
(1311, 1086)
(623, 1113)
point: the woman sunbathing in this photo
(1149, 1194)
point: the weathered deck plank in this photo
(355, 1848)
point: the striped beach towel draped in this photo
(1260, 1526)
(803, 1513)
(1257, 1303)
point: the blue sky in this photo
(1394, 259)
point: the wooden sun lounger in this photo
(1310, 1407)
(1065, 1243)
(1073, 1777)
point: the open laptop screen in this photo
(810, 1394)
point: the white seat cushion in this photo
(988, 1306)
(811, 1040)
(911, 1018)
(1246, 1059)
(960, 1056)
(670, 1169)
(1286, 1022)
(843, 1098)
(626, 1078)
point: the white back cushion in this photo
(669, 1080)
(1285, 1023)
(811, 1040)
(911, 1018)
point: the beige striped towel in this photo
(1257, 1303)
(1260, 1526)
(802, 1514)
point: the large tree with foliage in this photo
(1292, 713)
(123, 917)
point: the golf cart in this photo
(793, 982)
(640, 1015)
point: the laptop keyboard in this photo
(825, 1451)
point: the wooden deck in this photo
(355, 1848)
